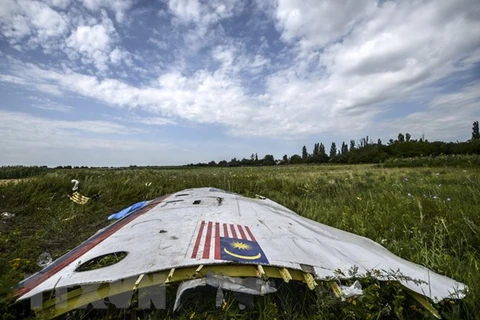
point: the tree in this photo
(333, 150)
(407, 136)
(268, 160)
(295, 159)
(379, 142)
(401, 137)
(320, 155)
(233, 163)
(316, 147)
(475, 132)
(352, 145)
(285, 159)
(304, 153)
(344, 149)
(256, 157)
(364, 142)
(321, 150)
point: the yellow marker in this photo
(337, 291)
(424, 302)
(78, 198)
(170, 275)
(261, 272)
(309, 280)
(138, 281)
(285, 275)
(197, 271)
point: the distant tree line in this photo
(363, 151)
(18, 172)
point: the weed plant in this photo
(427, 215)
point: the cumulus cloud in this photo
(93, 44)
(119, 55)
(330, 67)
(19, 19)
(61, 4)
(448, 115)
(378, 52)
(316, 23)
(201, 18)
(118, 7)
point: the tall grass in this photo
(427, 215)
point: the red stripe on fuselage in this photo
(206, 249)
(197, 242)
(225, 230)
(244, 237)
(83, 248)
(217, 240)
(250, 234)
(234, 233)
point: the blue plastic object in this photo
(127, 210)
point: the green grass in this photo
(430, 216)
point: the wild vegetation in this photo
(428, 215)
(364, 150)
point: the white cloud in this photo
(161, 44)
(61, 4)
(156, 121)
(14, 121)
(350, 57)
(48, 22)
(33, 140)
(340, 67)
(234, 59)
(47, 104)
(93, 43)
(13, 24)
(13, 79)
(119, 55)
(204, 98)
(19, 19)
(118, 7)
(201, 17)
(315, 23)
(448, 117)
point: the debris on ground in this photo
(44, 259)
(7, 215)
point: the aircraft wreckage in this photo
(207, 236)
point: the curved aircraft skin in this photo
(208, 226)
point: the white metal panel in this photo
(178, 233)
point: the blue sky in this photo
(113, 82)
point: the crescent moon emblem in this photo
(258, 256)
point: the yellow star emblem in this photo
(240, 245)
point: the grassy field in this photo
(430, 216)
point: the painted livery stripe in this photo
(234, 233)
(217, 241)
(242, 234)
(62, 262)
(206, 248)
(225, 230)
(197, 242)
(250, 234)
